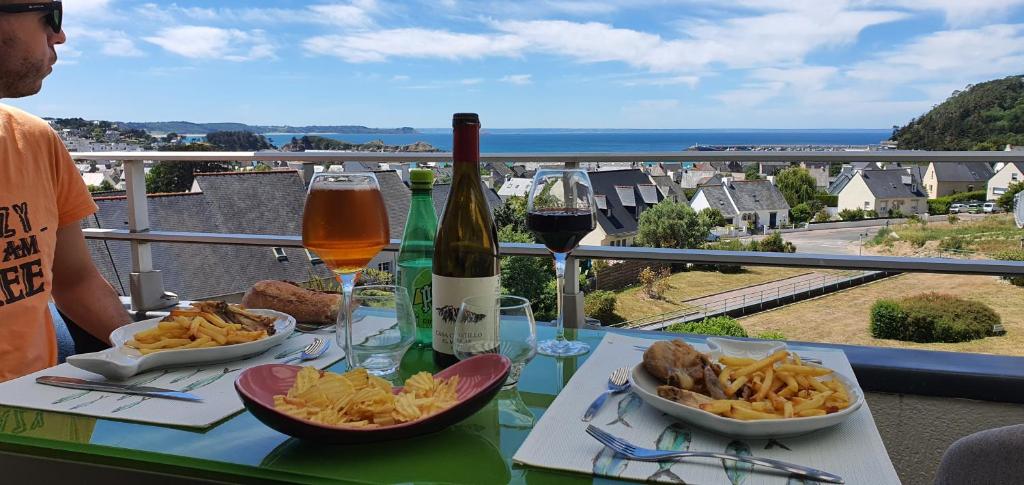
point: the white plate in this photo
(120, 362)
(646, 386)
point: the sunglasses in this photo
(53, 10)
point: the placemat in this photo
(214, 383)
(852, 450)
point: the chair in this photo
(990, 457)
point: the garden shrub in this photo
(851, 214)
(822, 216)
(771, 335)
(722, 326)
(1012, 255)
(932, 317)
(601, 305)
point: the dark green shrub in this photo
(800, 213)
(771, 335)
(938, 206)
(723, 326)
(871, 214)
(851, 214)
(932, 317)
(828, 200)
(1012, 255)
(774, 243)
(601, 305)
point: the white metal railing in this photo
(146, 286)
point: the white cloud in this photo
(957, 12)
(357, 13)
(86, 8)
(198, 42)
(114, 42)
(417, 43)
(687, 80)
(519, 79)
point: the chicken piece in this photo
(676, 363)
(683, 396)
(712, 385)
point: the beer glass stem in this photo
(348, 282)
(560, 280)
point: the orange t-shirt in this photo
(40, 191)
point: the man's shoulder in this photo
(23, 121)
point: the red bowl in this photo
(480, 378)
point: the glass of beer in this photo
(346, 225)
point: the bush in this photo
(851, 214)
(938, 206)
(771, 335)
(1006, 201)
(932, 317)
(1012, 255)
(871, 214)
(723, 326)
(601, 305)
(953, 243)
(953, 219)
(822, 216)
(800, 213)
(775, 244)
(648, 283)
(828, 200)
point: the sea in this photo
(546, 140)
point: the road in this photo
(829, 241)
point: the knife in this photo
(73, 383)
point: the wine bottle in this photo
(415, 256)
(466, 248)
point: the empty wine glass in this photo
(382, 329)
(497, 325)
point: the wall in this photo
(950, 188)
(1002, 180)
(594, 238)
(625, 273)
(917, 430)
(855, 194)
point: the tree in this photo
(1006, 201)
(168, 177)
(801, 213)
(238, 141)
(797, 185)
(512, 213)
(528, 277)
(712, 217)
(670, 224)
(752, 172)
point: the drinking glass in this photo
(382, 329)
(346, 224)
(560, 213)
(493, 324)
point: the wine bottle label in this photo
(448, 294)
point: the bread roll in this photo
(307, 306)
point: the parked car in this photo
(991, 208)
(957, 208)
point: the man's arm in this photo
(80, 291)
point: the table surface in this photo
(477, 450)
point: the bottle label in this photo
(417, 281)
(448, 294)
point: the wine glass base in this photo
(562, 348)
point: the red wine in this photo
(561, 230)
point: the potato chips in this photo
(358, 399)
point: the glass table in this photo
(241, 449)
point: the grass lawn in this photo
(632, 304)
(843, 317)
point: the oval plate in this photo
(120, 362)
(646, 386)
(480, 378)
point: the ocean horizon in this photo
(525, 140)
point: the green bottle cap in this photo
(421, 178)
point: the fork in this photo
(315, 349)
(617, 382)
(633, 452)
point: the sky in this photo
(528, 63)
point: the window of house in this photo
(385, 266)
(280, 255)
(970, 188)
(313, 258)
(1013, 176)
(867, 204)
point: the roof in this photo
(717, 198)
(500, 168)
(691, 178)
(648, 193)
(397, 199)
(614, 186)
(962, 172)
(668, 187)
(1018, 165)
(516, 186)
(754, 195)
(888, 184)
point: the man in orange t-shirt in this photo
(42, 201)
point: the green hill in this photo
(985, 116)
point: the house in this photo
(500, 173)
(768, 169)
(942, 179)
(621, 197)
(1009, 173)
(690, 178)
(750, 204)
(884, 191)
(441, 191)
(220, 205)
(665, 168)
(846, 174)
(818, 170)
(514, 187)
(669, 189)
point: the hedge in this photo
(940, 205)
(828, 200)
(932, 317)
(1011, 255)
(723, 326)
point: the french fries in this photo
(780, 387)
(191, 328)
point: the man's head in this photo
(27, 50)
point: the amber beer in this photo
(346, 226)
